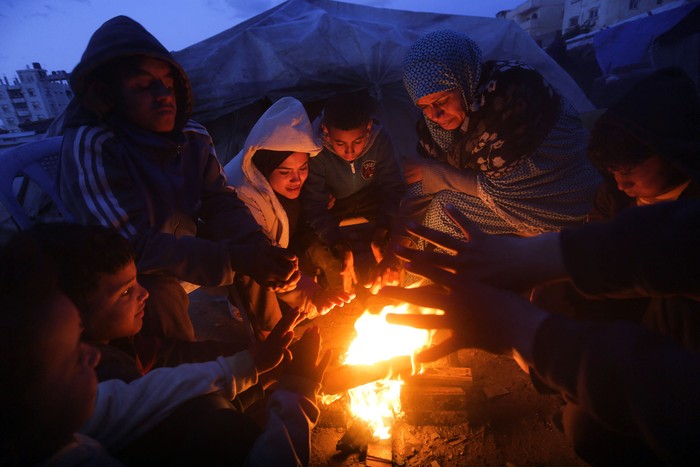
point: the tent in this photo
(310, 49)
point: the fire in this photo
(378, 403)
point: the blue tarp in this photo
(628, 43)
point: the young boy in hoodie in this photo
(355, 175)
(55, 413)
(132, 159)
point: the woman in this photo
(499, 143)
(268, 174)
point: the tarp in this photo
(310, 49)
(629, 43)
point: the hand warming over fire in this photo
(276, 268)
(480, 316)
(305, 362)
(326, 300)
(514, 263)
(269, 353)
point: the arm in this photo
(105, 184)
(438, 176)
(315, 197)
(630, 379)
(125, 411)
(388, 178)
(645, 251)
(292, 410)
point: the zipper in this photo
(352, 166)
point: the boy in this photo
(647, 144)
(355, 175)
(134, 161)
(48, 388)
(98, 274)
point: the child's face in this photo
(66, 385)
(446, 108)
(117, 307)
(147, 96)
(348, 144)
(288, 178)
(648, 179)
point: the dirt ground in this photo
(501, 419)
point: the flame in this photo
(379, 403)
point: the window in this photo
(5, 108)
(534, 16)
(659, 2)
(36, 105)
(31, 92)
(593, 13)
(573, 21)
(634, 4)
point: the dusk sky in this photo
(55, 32)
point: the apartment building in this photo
(33, 96)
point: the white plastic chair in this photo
(36, 161)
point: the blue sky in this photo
(55, 32)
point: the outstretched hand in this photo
(269, 353)
(325, 300)
(386, 272)
(276, 268)
(509, 262)
(479, 316)
(305, 361)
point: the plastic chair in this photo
(36, 161)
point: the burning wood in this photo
(346, 377)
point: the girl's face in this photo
(288, 178)
(446, 108)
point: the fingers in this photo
(323, 363)
(468, 228)
(419, 321)
(443, 260)
(419, 296)
(289, 284)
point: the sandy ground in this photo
(502, 421)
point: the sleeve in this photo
(438, 176)
(626, 255)
(388, 176)
(123, 411)
(98, 184)
(156, 352)
(291, 415)
(315, 197)
(633, 381)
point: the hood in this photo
(118, 37)
(285, 126)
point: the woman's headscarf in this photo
(440, 61)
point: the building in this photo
(582, 16)
(541, 19)
(33, 96)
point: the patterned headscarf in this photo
(440, 61)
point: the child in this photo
(269, 174)
(98, 274)
(355, 175)
(49, 391)
(132, 159)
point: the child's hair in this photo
(348, 111)
(610, 147)
(28, 285)
(82, 254)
